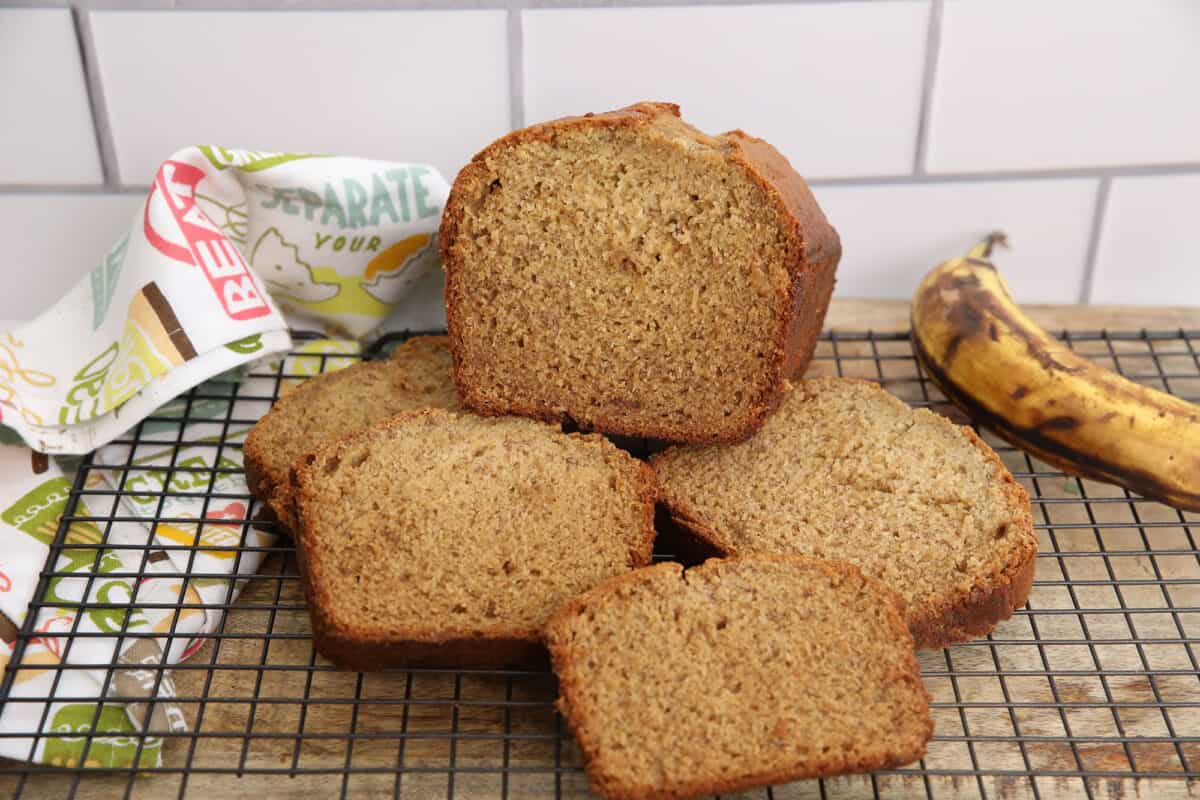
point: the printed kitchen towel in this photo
(338, 241)
(88, 610)
(186, 293)
(224, 241)
(185, 468)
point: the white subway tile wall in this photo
(46, 132)
(836, 86)
(53, 240)
(1030, 84)
(893, 235)
(429, 86)
(1073, 125)
(1148, 250)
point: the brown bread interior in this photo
(416, 376)
(633, 277)
(736, 673)
(437, 527)
(845, 470)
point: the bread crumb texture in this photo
(845, 470)
(738, 673)
(626, 271)
(436, 526)
(416, 376)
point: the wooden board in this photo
(849, 314)
(1008, 706)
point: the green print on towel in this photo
(83, 399)
(104, 281)
(195, 476)
(396, 195)
(250, 160)
(288, 276)
(299, 285)
(250, 344)
(71, 723)
(39, 510)
(113, 592)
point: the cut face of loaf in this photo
(416, 376)
(629, 273)
(845, 470)
(441, 539)
(737, 673)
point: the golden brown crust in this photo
(256, 478)
(814, 250)
(814, 266)
(364, 649)
(961, 616)
(270, 487)
(576, 712)
(972, 614)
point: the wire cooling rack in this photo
(1092, 690)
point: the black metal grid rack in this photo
(1092, 690)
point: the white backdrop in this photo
(1072, 124)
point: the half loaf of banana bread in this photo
(631, 274)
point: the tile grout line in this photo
(577, 4)
(1120, 171)
(336, 6)
(933, 42)
(865, 181)
(76, 189)
(516, 66)
(398, 5)
(90, 64)
(1093, 250)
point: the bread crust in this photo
(814, 250)
(275, 490)
(360, 648)
(577, 712)
(260, 486)
(969, 615)
(813, 273)
(958, 617)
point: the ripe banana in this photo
(1011, 376)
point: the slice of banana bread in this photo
(416, 376)
(845, 470)
(447, 539)
(737, 673)
(629, 273)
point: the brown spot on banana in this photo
(951, 348)
(1071, 461)
(1088, 400)
(1049, 361)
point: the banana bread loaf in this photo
(446, 539)
(846, 470)
(629, 273)
(737, 673)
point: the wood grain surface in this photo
(1097, 675)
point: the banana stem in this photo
(983, 250)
